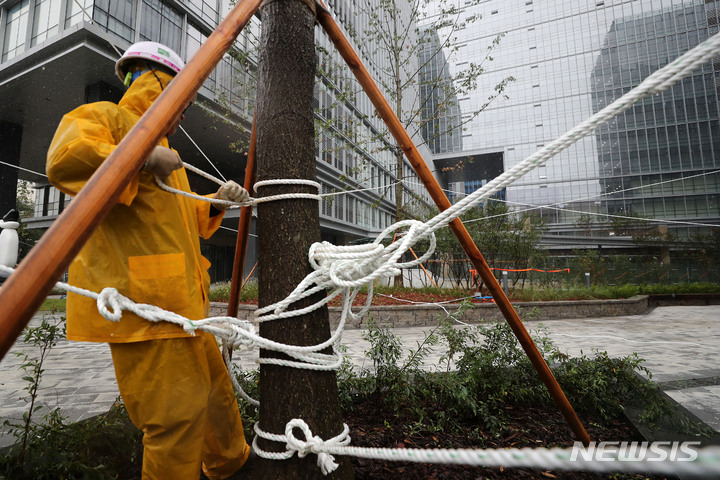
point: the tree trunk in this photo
(287, 228)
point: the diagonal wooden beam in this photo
(241, 242)
(243, 233)
(25, 290)
(401, 136)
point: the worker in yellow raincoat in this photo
(175, 386)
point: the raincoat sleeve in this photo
(84, 139)
(207, 225)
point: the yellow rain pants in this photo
(178, 392)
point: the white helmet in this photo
(150, 51)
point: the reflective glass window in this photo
(46, 20)
(161, 23)
(16, 29)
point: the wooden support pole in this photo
(243, 234)
(25, 290)
(398, 131)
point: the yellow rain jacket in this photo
(148, 246)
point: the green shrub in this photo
(483, 369)
(220, 292)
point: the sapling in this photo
(42, 338)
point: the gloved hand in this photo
(162, 161)
(232, 192)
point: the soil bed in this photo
(525, 427)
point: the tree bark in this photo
(286, 229)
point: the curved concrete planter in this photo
(413, 315)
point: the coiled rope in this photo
(346, 268)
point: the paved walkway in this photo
(681, 346)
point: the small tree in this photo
(285, 150)
(506, 240)
(26, 208)
(402, 41)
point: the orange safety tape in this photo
(566, 270)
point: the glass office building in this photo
(571, 58)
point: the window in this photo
(75, 11)
(46, 20)
(161, 23)
(116, 17)
(195, 39)
(205, 8)
(16, 29)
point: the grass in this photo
(601, 292)
(220, 292)
(53, 304)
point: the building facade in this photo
(441, 116)
(569, 59)
(58, 54)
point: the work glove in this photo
(162, 161)
(232, 192)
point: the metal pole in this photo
(587, 280)
(26, 289)
(505, 282)
(401, 136)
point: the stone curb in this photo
(427, 315)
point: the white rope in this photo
(111, 304)
(23, 169)
(234, 331)
(288, 196)
(641, 460)
(312, 444)
(252, 201)
(350, 267)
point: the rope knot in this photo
(110, 297)
(314, 444)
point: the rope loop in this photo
(311, 444)
(287, 181)
(314, 444)
(110, 297)
(252, 200)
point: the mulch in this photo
(370, 426)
